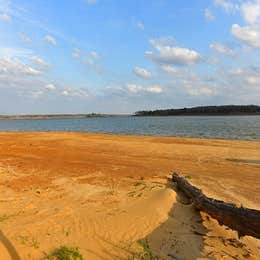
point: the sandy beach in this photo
(111, 196)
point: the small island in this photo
(204, 111)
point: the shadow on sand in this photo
(9, 247)
(181, 236)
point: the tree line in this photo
(204, 110)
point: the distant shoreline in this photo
(58, 116)
(227, 110)
(35, 117)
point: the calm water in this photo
(224, 127)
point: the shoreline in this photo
(128, 135)
(58, 116)
(68, 116)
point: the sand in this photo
(110, 196)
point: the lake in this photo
(223, 127)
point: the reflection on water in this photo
(224, 127)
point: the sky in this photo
(109, 56)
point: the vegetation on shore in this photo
(204, 110)
(65, 253)
(145, 252)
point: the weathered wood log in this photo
(244, 220)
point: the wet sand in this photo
(109, 195)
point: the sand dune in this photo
(110, 196)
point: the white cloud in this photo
(16, 67)
(209, 15)
(19, 79)
(201, 91)
(6, 8)
(247, 34)
(39, 61)
(9, 52)
(222, 48)
(248, 76)
(175, 55)
(90, 59)
(132, 88)
(73, 92)
(65, 93)
(228, 5)
(163, 41)
(50, 39)
(170, 69)
(138, 89)
(154, 89)
(200, 87)
(87, 61)
(253, 80)
(37, 94)
(6, 18)
(140, 25)
(81, 55)
(236, 72)
(251, 11)
(94, 55)
(75, 53)
(143, 73)
(20, 83)
(50, 86)
(135, 90)
(179, 73)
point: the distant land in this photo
(49, 116)
(193, 111)
(205, 110)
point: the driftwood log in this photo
(245, 221)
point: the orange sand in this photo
(104, 193)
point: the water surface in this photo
(224, 127)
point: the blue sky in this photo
(108, 56)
